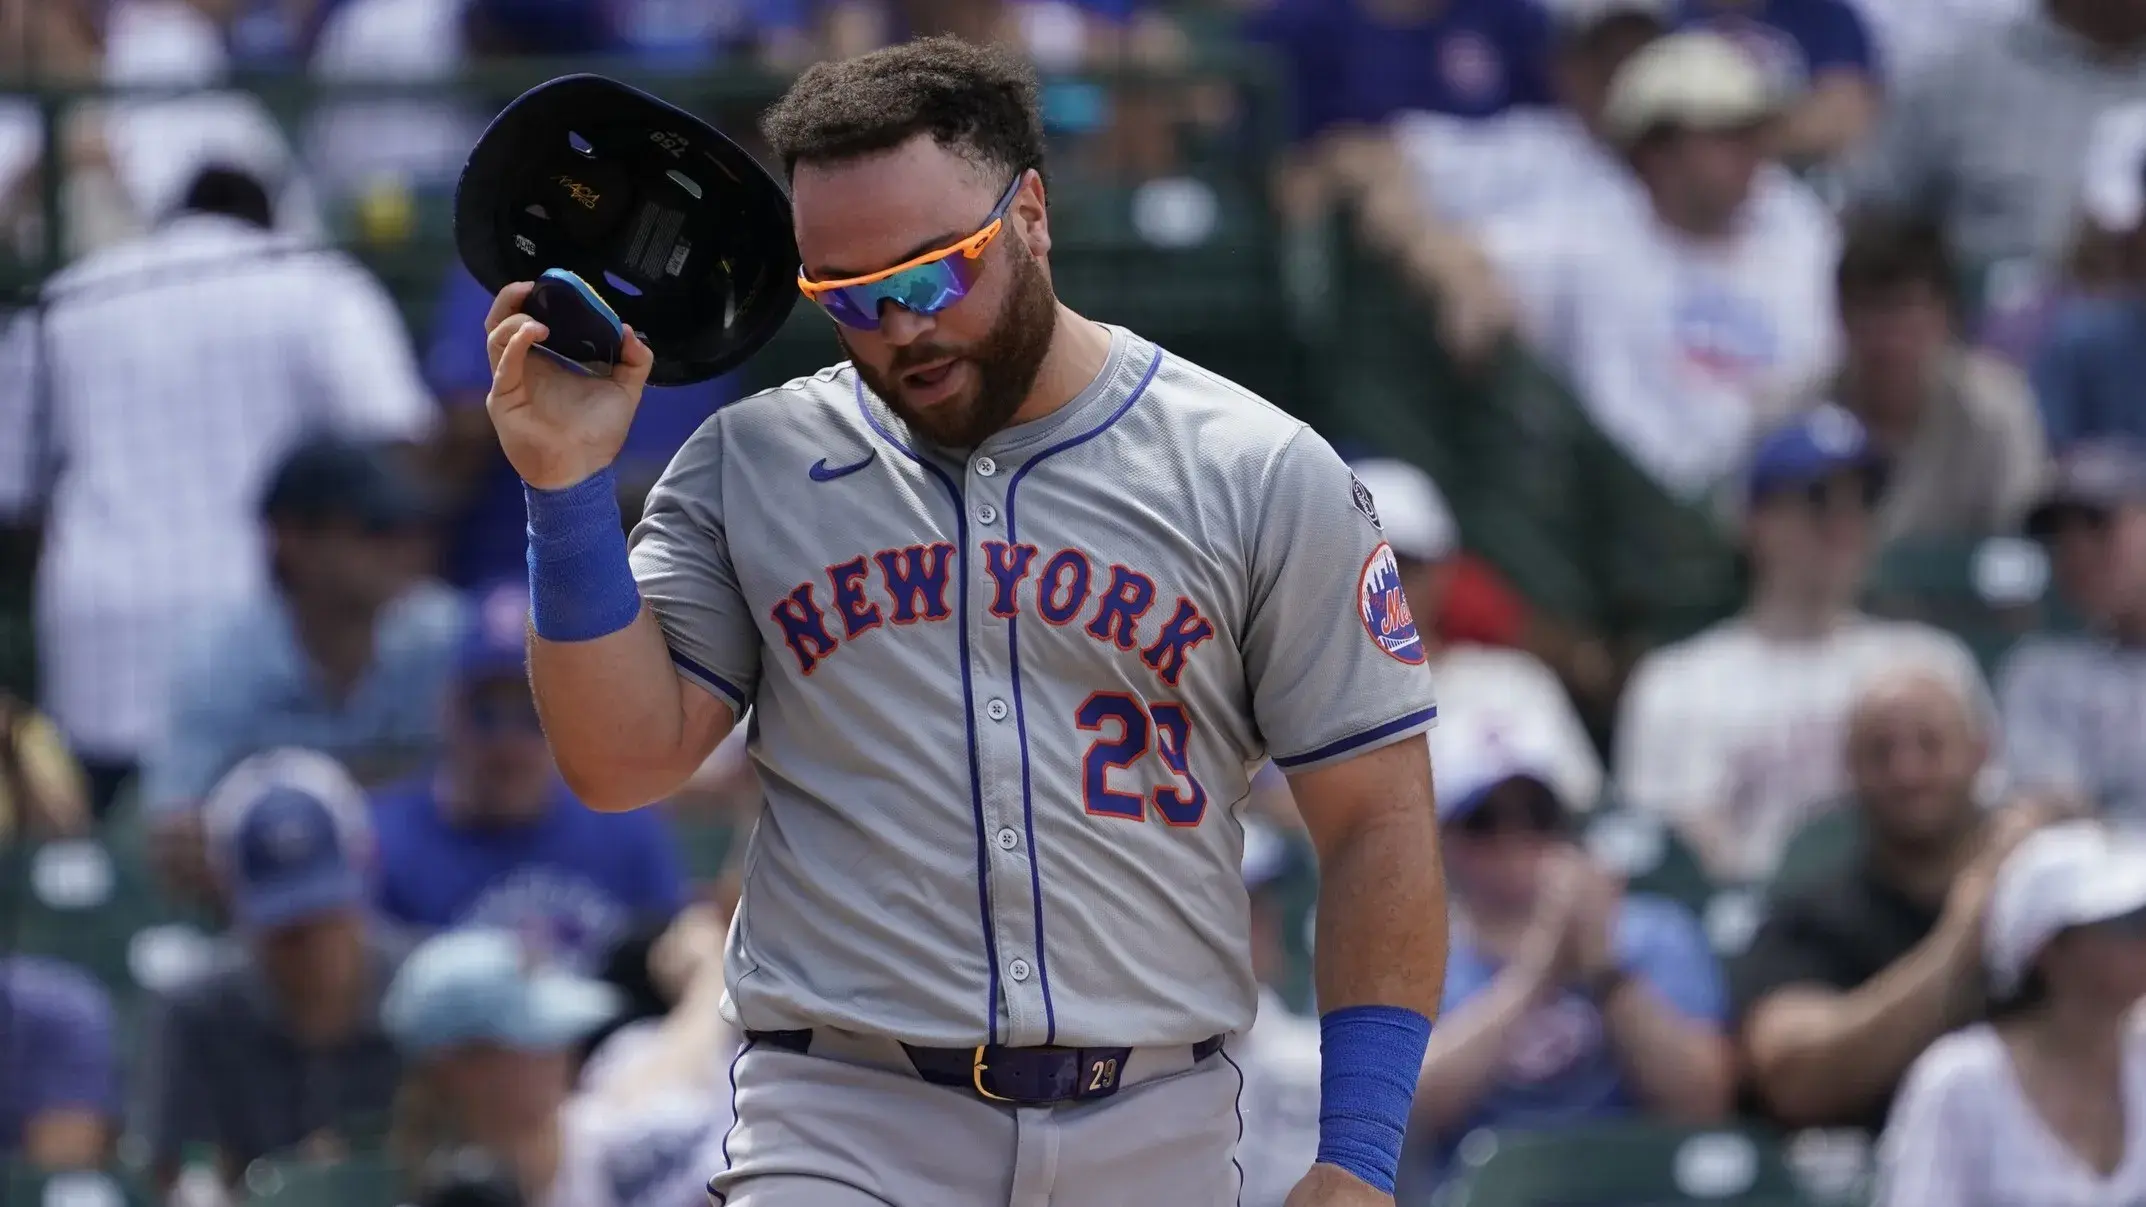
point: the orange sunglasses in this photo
(927, 284)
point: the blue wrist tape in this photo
(580, 583)
(1370, 1058)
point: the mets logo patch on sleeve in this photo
(1385, 609)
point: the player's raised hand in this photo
(1333, 1186)
(556, 426)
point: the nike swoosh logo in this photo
(820, 473)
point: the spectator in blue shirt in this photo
(59, 1072)
(1359, 62)
(348, 654)
(486, 541)
(1567, 1000)
(1819, 50)
(493, 837)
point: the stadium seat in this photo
(1989, 592)
(364, 1180)
(1649, 854)
(24, 1186)
(74, 901)
(1621, 1165)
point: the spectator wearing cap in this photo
(491, 1030)
(1956, 427)
(347, 652)
(1818, 52)
(486, 541)
(350, 650)
(1988, 141)
(2075, 704)
(1567, 1000)
(1681, 311)
(1508, 691)
(2093, 355)
(1733, 736)
(278, 1045)
(59, 1065)
(1427, 182)
(1279, 1057)
(2040, 1105)
(1866, 959)
(491, 836)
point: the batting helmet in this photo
(678, 229)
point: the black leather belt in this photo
(1013, 1076)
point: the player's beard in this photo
(1006, 361)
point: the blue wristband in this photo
(580, 583)
(1370, 1058)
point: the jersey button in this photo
(986, 467)
(1007, 839)
(987, 514)
(1018, 970)
(996, 710)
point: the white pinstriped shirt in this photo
(181, 367)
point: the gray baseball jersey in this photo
(1005, 705)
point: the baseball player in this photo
(1016, 601)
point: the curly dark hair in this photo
(982, 103)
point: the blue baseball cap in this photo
(486, 986)
(290, 839)
(1813, 446)
(497, 643)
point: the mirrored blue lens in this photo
(925, 289)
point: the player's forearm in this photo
(1382, 914)
(1680, 1068)
(624, 728)
(615, 712)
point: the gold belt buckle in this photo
(976, 1076)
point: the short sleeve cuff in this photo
(1361, 742)
(711, 682)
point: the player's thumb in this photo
(635, 362)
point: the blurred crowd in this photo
(1843, 274)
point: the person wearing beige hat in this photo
(2046, 1104)
(1678, 310)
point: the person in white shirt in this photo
(1734, 736)
(1678, 311)
(1502, 694)
(489, 1031)
(143, 403)
(2046, 1105)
